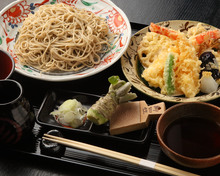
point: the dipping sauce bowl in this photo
(16, 114)
(7, 65)
(189, 134)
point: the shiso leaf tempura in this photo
(119, 92)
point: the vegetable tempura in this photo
(181, 74)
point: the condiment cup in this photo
(7, 65)
(16, 114)
(196, 114)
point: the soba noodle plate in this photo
(63, 42)
(61, 37)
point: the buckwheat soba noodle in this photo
(61, 37)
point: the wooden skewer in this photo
(117, 155)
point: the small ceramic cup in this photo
(7, 65)
(198, 123)
(16, 115)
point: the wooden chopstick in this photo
(117, 155)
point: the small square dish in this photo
(55, 98)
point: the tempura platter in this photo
(132, 68)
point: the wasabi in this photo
(100, 112)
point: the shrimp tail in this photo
(163, 31)
(207, 37)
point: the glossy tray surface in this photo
(141, 143)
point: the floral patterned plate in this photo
(13, 15)
(132, 68)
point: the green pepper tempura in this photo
(169, 74)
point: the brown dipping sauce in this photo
(193, 137)
(5, 65)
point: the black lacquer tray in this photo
(142, 143)
(135, 143)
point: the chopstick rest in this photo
(117, 155)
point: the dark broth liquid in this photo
(9, 91)
(193, 137)
(5, 65)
